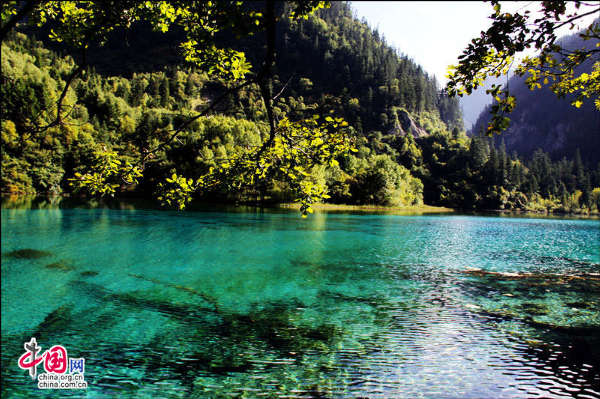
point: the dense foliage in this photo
(409, 149)
(329, 61)
(358, 74)
(117, 113)
(289, 146)
(472, 173)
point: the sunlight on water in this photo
(207, 304)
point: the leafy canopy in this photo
(290, 151)
(495, 51)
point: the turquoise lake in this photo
(266, 304)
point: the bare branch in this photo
(595, 11)
(263, 79)
(282, 89)
(70, 80)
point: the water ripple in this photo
(216, 305)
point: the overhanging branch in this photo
(22, 13)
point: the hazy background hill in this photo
(473, 104)
(541, 120)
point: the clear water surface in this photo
(259, 304)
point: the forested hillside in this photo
(543, 121)
(410, 149)
(119, 113)
(330, 59)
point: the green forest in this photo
(408, 144)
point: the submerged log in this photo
(273, 323)
(528, 285)
(186, 313)
(60, 265)
(590, 330)
(207, 298)
(56, 321)
(548, 276)
(27, 253)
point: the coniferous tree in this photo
(164, 92)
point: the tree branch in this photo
(595, 11)
(22, 13)
(59, 103)
(70, 80)
(185, 124)
(283, 88)
(264, 77)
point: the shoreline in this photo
(59, 201)
(415, 209)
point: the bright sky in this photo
(433, 33)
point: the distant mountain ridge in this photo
(541, 120)
(473, 104)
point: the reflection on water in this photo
(200, 304)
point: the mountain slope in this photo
(331, 59)
(541, 120)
